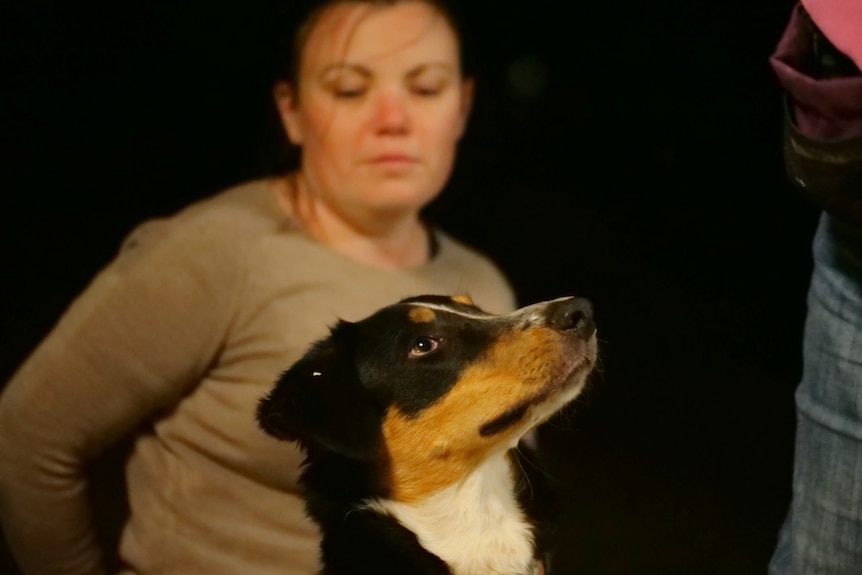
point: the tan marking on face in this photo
(421, 315)
(442, 444)
(462, 298)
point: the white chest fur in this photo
(476, 526)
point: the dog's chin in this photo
(540, 406)
(557, 395)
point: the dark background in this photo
(626, 151)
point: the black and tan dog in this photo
(410, 420)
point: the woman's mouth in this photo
(393, 159)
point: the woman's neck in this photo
(391, 242)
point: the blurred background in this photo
(628, 152)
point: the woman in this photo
(178, 338)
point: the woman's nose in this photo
(392, 115)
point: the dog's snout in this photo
(573, 314)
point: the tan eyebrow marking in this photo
(422, 315)
(462, 298)
(444, 308)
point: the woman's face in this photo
(379, 109)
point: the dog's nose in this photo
(573, 314)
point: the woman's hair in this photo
(289, 32)
(305, 14)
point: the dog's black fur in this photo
(411, 403)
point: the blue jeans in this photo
(822, 533)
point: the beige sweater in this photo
(175, 341)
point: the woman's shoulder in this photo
(458, 251)
(477, 271)
(220, 231)
(248, 206)
(230, 217)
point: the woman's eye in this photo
(346, 85)
(426, 90)
(423, 345)
(346, 93)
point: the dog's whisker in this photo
(525, 458)
(524, 474)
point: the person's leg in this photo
(823, 530)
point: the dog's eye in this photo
(423, 345)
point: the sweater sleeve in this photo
(131, 345)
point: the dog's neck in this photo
(475, 525)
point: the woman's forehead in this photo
(365, 34)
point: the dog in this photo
(410, 421)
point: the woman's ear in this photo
(286, 98)
(468, 88)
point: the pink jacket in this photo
(841, 22)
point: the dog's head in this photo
(433, 378)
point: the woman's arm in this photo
(131, 345)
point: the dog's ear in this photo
(321, 403)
